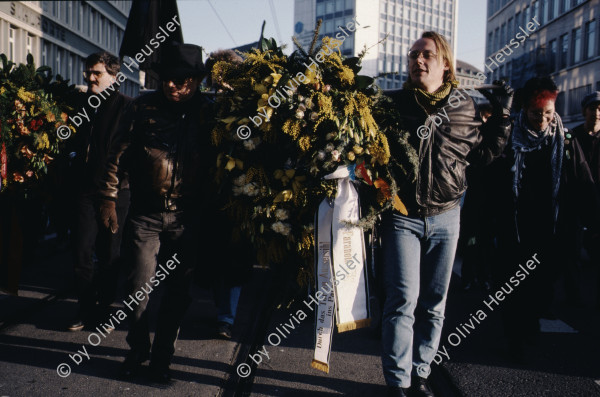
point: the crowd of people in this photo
(526, 186)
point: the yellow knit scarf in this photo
(432, 98)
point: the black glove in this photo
(108, 215)
(500, 98)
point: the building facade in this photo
(61, 34)
(401, 21)
(556, 38)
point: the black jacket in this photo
(91, 143)
(163, 148)
(456, 138)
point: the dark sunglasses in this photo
(178, 81)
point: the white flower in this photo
(335, 155)
(281, 214)
(299, 114)
(329, 147)
(314, 116)
(320, 155)
(240, 180)
(251, 189)
(281, 228)
(301, 107)
(251, 144)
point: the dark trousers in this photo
(153, 240)
(97, 286)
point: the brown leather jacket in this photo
(163, 147)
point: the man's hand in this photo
(500, 98)
(108, 215)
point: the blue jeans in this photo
(226, 300)
(418, 254)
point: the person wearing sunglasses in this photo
(96, 290)
(166, 135)
(419, 246)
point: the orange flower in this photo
(64, 116)
(29, 174)
(50, 117)
(47, 159)
(17, 177)
(26, 152)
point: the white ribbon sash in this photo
(340, 263)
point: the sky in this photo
(220, 24)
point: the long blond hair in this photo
(444, 53)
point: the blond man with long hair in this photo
(419, 247)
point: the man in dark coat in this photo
(100, 111)
(165, 137)
(588, 135)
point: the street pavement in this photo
(33, 343)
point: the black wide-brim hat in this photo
(179, 61)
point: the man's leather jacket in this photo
(456, 137)
(161, 146)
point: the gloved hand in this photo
(108, 215)
(500, 98)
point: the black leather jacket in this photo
(163, 148)
(456, 137)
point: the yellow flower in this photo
(304, 143)
(43, 142)
(292, 127)
(25, 96)
(276, 77)
(261, 89)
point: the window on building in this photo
(320, 9)
(566, 6)
(329, 7)
(560, 103)
(502, 34)
(58, 62)
(552, 55)
(101, 30)
(576, 96)
(45, 54)
(12, 33)
(576, 37)
(509, 29)
(29, 43)
(490, 43)
(555, 9)
(590, 39)
(545, 11)
(564, 50)
(496, 39)
(535, 10)
(526, 16)
(92, 14)
(517, 20)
